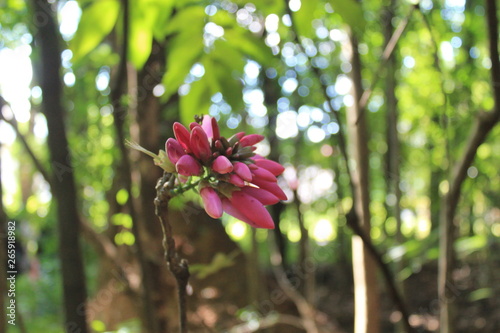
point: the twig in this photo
(389, 48)
(35, 160)
(179, 267)
(306, 310)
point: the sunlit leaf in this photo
(304, 16)
(196, 102)
(143, 15)
(97, 21)
(468, 245)
(181, 57)
(352, 14)
(249, 45)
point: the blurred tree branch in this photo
(484, 124)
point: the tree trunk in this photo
(364, 267)
(485, 122)
(64, 189)
(120, 113)
(146, 131)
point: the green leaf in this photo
(180, 58)
(266, 6)
(97, 21)
(249, 45)
(165, 8)
(143, 15)
(196, 102)
(191, 19)
(468, 245)
(219, 261)
(352, 14)
(304, 16)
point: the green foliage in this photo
(219, 262)
(97, 21)
(351, 13)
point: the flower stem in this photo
(179, 267)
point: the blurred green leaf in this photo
(97, 21)
(352, 14)
(467, 245)
(249, 45)
(480, 294)
(219, 261)
(143, 15)
(181, 57)
(197, 101)
(304, 16)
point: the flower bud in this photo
(174, 150)
(187, 165)
(251, 139)
(222, 165)
(242, 170)
(199, 144)
(182, 135)
(211, 202)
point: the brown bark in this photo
(64, 189)
(485, 122)
(146, 131)
(365, 280)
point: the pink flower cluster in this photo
(233, 178)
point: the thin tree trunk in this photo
(64, 189)
(146, 131)
(120, 114)
(485, 122)
(364, 267)
(393, 150)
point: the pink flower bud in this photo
(265, 197)
(182, 135)
(210, 127)
(174, 150)
(187, 165)
(199, 144)
(215, 129)
(193, 125)
(263, 174)
(274, 167)
(238, 135)
(231, 210)
(270, 187)
(252, 209)
(242, 170)
(251, 139)
(236, 180)
(222, 165)
(211, 202)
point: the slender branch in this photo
(179, 267)
(352, 217)
(386, 55)
(306, 310)
(491, 12)
(12, 122)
